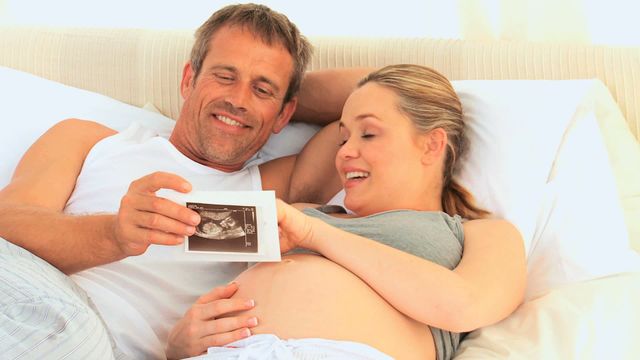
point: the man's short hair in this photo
(270, 26)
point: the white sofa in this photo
(144, 67)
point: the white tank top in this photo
(141, 298)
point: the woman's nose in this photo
(348, 150)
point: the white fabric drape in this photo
(612, 22)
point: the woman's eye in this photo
(342, 142)
(367, 136)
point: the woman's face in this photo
(379, 161)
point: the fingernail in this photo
(190, 230)
(179, 239)
(250, 303)
(195, 219)
(252, 321)
(246, 333)
(186, 187)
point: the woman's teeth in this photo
(356, 175)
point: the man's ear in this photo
(187, 80)
(435, 145)
(285, 115)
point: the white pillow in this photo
(581, 233)
(514, 128)
(596, 319)
(31, 105)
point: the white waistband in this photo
(267, 346)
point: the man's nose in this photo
(239, 96)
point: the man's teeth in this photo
(357, 174)
(228, 121)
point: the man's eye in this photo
(223, 77)
(342, 142)
(263, 92)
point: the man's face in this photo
(236, 101)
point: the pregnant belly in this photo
(309, 296)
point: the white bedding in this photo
(574, 318)
(595, 319)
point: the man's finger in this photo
(165, 207)
(220, 292)
(229, 324)
(147, 237)
(225, 338)
(221, 307)
(160, 180)
(165, 224)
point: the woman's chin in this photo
(349, 203)
(354, 205)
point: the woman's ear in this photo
(435, 145)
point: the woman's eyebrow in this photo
(367, 115)
(360, 117)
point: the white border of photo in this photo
(267, 223)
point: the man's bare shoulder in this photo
(88, 128)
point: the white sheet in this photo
(596, 319)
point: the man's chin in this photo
(227, 162)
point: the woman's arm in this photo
(487, 285)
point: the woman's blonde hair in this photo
(429, 100)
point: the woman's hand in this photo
(205, 325)
(295, 228)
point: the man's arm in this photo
(31, 205)
(314, 178)
(310, 176)
(323, 93)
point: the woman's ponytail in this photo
(456, 200)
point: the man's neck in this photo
(186, 151)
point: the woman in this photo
(391, 278)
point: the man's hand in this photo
(201, 327)
(145, 219)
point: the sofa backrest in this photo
(145, 66)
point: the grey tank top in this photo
(434, 236)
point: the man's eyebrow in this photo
(269, 82)
(233, 69)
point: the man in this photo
(240, 85)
